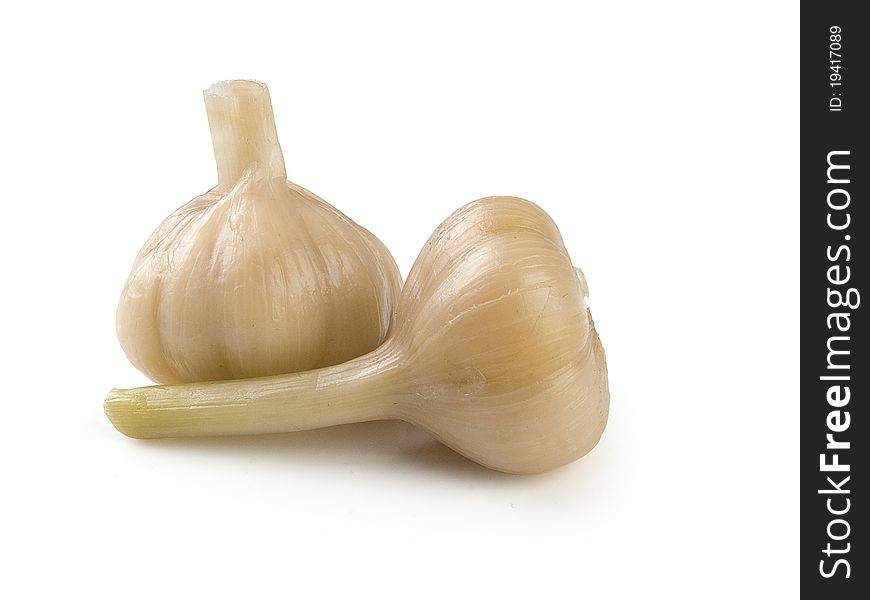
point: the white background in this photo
(663, 139)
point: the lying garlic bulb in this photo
(258, 276)
(494, 352)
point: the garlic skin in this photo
(258, 276)
(504, 364)
(494, 352)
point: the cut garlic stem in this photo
(243, 132)
(352, 392)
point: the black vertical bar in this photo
(835, 366)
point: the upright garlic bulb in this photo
(258, 276)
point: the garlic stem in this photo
(243, 132)
(351, 392)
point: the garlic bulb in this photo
(494, 352)
(258, 276)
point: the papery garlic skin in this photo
(258, 276)
(251, 283)
(504, 362)
(494, 351)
